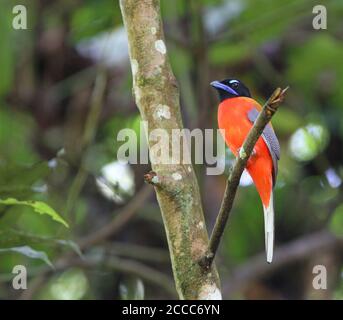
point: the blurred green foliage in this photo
(45, 89)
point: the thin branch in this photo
(126, 214)
(127, 266)
(87, 138)
(296, 250)
(108, 230)
(121, 265)
(151, 178)
(138, 252)
(269, 109)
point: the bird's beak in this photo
(217, 85)
(220, 86)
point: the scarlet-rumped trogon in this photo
(236, 115)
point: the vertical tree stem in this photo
(157, 97)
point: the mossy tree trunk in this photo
(157, 97)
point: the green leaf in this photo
(29, 252)
(28, 238)
(72, 245)
(39, 207)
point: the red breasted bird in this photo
(236, 115)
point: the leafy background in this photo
(65, 93)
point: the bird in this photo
(237, 113)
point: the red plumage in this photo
(233, 118)
(236, 116)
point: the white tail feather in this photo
(269, 228)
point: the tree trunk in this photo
(157, 97)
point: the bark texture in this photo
(157, 97)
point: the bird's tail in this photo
(269, 228)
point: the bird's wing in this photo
(270, 139)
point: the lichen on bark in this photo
(154, 85)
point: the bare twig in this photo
(121, 265)
(296, 250)
(151, 178)
(125, 215)
(269, 109)
(88, 136)
(139, 269)
(108, 230)
(138, 252)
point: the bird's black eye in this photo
(234, 85)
